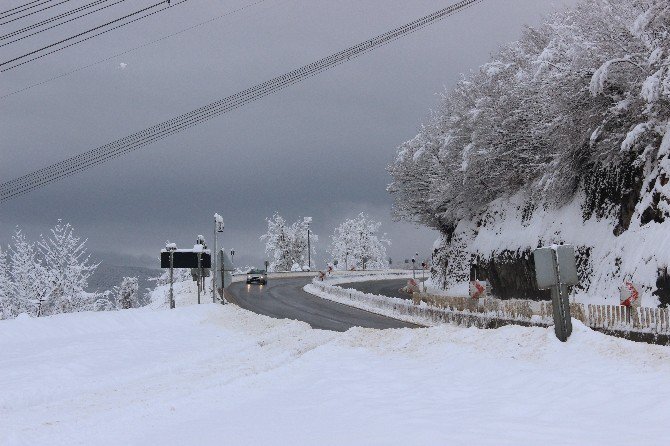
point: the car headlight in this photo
(248, 276)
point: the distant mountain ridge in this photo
(108, 276)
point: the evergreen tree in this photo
(7, 303)
(29, 286)
(67, 268)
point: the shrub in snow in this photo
(127, 294)
(357, 243)
(286, 245)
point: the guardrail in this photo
(644, 324)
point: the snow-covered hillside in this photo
(564, 136)
(213, 374)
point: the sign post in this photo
(171, 248)
(196, 259)
(556, 269)
(218, 227)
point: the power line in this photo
(86, 160)
(23, 8)
(55, 18)
(31, 13)
(81, 34)
(133, 49)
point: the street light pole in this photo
(218, 227)
(309, 250)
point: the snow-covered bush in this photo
(357, 243)
(126, 296)
(287, 245)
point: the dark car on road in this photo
(258, 276)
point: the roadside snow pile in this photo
(214, 374)
(393, 307)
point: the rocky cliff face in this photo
(618, 222)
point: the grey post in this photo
(171, 276)
(216, 243)
(556, 269)
(199, 275)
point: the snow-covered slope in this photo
(213, 374)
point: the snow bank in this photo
(213, 374)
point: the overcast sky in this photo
(319, 148)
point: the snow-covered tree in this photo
(7, 303)
(287, 245)
(579, 106)
(357, 243)
(127, 294)
(67, 267)
(28, 284)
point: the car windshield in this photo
(257, 271)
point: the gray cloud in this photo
(319, 148)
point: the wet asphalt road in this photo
(285, 299)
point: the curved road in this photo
(285, 299)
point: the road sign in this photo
(477, 289)
(556, 269)
(227, 265)
(186, 259)
(545, 268)
(629, 295)
(567, 265)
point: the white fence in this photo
(491, 312)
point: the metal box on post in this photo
(545, 268)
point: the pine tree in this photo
(7, 303)
(67, 267)
(29, 286)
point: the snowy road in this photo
(285, 299)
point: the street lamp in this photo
(218, 227)
(308, 220)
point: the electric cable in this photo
(133, 49)
(83, 33)
(55, 18)
(86, 160)
(31, 13)
(24, 7)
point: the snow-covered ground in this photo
(213, 374)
